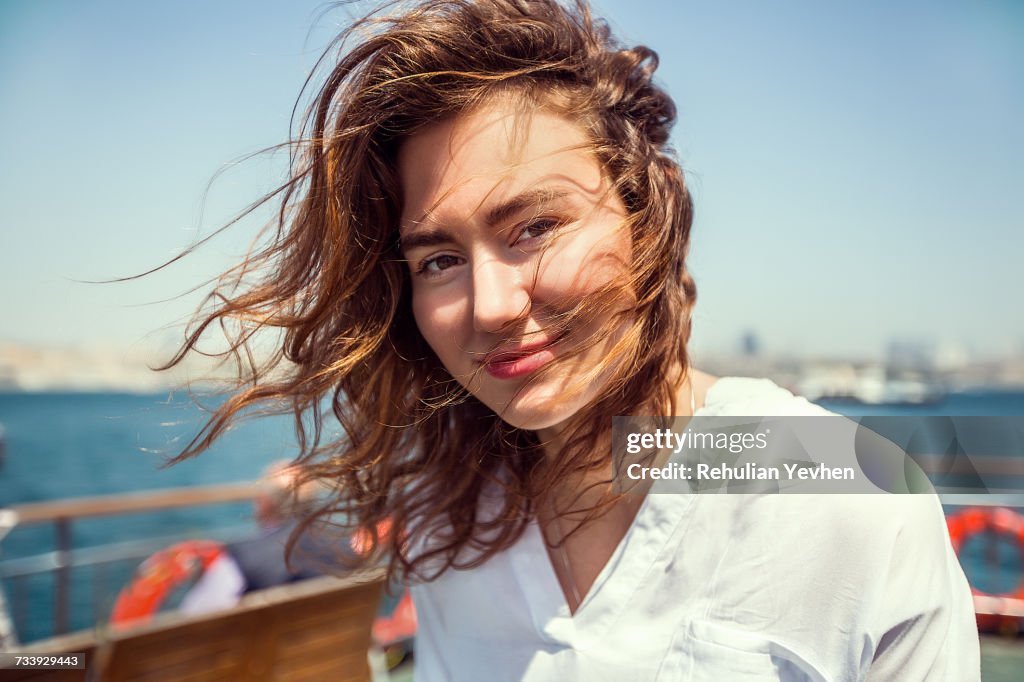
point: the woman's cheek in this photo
(425, 316)
(440, 321)
(580, 268)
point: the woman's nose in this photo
(501, 295)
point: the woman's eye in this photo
(537, 228)
(431, 267)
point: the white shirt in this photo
(720, 587)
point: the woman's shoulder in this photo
(852, 527)
(748, 396)
(868, 525)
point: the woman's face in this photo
(508, 223)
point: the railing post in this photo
(62, 592)
(8, 634)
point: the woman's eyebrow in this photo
(424, 238)
(494, 216)
(509, 207)
(531, 197)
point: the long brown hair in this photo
(414, 448)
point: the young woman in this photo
(480, 259)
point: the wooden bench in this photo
(311, 630)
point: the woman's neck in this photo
(583, 490)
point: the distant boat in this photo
(893, 393)
(911, 392)
(871, 389)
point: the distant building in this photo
(750, 345)
(8, 380)
(904, 355)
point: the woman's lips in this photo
(520, 362)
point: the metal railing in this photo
(65, 559)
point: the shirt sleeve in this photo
(924, 628)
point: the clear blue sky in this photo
(857, 166)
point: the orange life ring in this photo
(994, 611)
(159, 575)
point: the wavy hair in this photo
(411, 450)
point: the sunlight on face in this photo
(509, 222)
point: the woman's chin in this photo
(529, 421)
(538, 410)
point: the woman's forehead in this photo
(460, 166)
